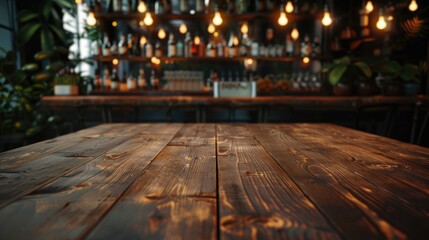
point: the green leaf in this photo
(55, 66)
(364, 68)
(42, 55)
(64, 3)
(55, 16)
(47, 10)
(26, 15)
(33, 131)
(59, 32)
(336, 74)
(390, 67)
(409, 72)
(47, 40)
(30, 67)
(27, 32)
(344, 60)
(38, 86)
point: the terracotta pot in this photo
(66, 90)
(392, 89)
(367, 89)
(343, 89)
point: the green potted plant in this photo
(396, 79)
(344, 73)
(66, 84)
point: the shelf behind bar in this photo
(202, 16)
(214, 59)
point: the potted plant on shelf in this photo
(396, 79)
(66, 84)
(343, 74)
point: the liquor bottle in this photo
(136, 51)
(180, 48)
(195, 47)
(117, 5)
(141, 81)
(270, 42)
(241, 6)
(131, 83)
(289, 45)
(158, 49)
(130, 44)
(172, 48)
(123, 84)
(188, 45)
(270, 5)
(97, 79)
(107, 79)
(149, 50)
(126, 6)
(306, 48)
(142, 43)
(297, 47)
(154, 81)
(244, 48)
(114, 48)
(233, 45)
(184, 7)
(115, 80)
(211, 49)
(122, 45)
(254, 49)
(106, 46)
(316, 47)
(199, 6)
(202, 48)
(159, 9)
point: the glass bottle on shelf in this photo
(158, 49)
(114, 48)
(199, 6)
(188, 45)
(141, 81)
(126, 6)
(136, 51)
(131, 83)
(115, 80)
(233, 45)
(211, 49)
(316, 47)
(306, 48)
(230, 6)
(202, 48)
(183, 6)
(180, 48)
(106, 46)
(97, 79)
(149, 49)
(123, 84)
(117, 5)
(154, 81)
(107, 79)
(289, 45)
(122, 45)
(159, 9)
(195, 46)
(172, 48)
(271, 48)
(131, 41)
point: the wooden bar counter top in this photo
(215, 181)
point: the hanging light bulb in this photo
(211, 28)
(78, 1)
(295, 34)
(183, 29)
(90, 20)
(381, 23)
(326, 20)
(413, 6)
(142, 7)
(282, 19)
(197, 40)
(217, 19)
(162, 34)
(306, 60)
(143, 41)
(289, 7)
(114, 23)
(235, 41)
(115, 61)
(244, 28)
(369, 7)
(148, 20)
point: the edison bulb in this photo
(249, 61)
(282, 19)
(183, 29)
(211, 28)
(306, 60)
(115, 61)
(369, 7)
(326, 20)
(78, 1)
(162, 34)
(413, 6)
(295, 34)
(148, 20)
(197, 40)
(91, 21)
(143, 41)
(216, 34)
(235, 41)
(114, 23)
(289, 7)
(244, 28)
(381, 23)
(142, 7)
(217, 19)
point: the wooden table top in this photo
(215, 181)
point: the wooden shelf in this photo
(202, 16)
(208, 59)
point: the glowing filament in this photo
(141, 7)
(217, 19)
(91, 21)
(413, 6)
(289, 7)
(148, 20)
(282, 19)
(183, 29)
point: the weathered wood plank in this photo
(23, 179)
(71, 205)
(257, 199)
(372, 203)
(175, 198)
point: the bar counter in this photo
(215, 181)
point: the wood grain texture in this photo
(339, 176)
(175, 198)
(68, 207)
(18, 181)
(257, 199)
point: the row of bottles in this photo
(110, 80)
(204, 6)
(216, 46)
